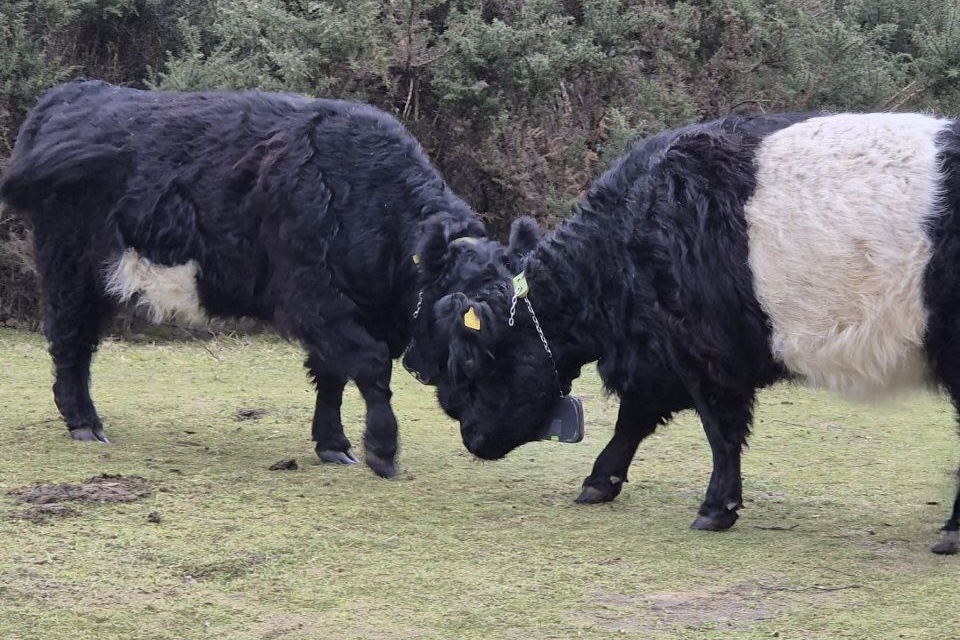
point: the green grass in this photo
(833, 542)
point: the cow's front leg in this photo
(340, 348)
(351, 353)
(635, 421)
(727, 424)
(327, 431)
(380, 437)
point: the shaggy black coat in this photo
(302, 213)
(650, 278)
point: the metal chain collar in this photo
(406, 350)
(416, 312)
(536, 323)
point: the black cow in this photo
(708, 262)
(302, 213)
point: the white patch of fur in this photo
(838, 249)
(168, 293)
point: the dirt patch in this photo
(734, 607)
(225, 569)
(248, 413)
(42, 513)
(105, 487)
(287, 464)
(701, 606)
(45, 499)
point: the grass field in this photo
(832, 543)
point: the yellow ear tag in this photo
(520, 285)
(471, 320)
(416, 258)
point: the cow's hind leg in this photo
(726, 420)
(635, 421)
(74, 312)
(949, 542)
(943, 343)
(327, 431)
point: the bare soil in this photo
(248, 413)
(287, 464)
(46, 500)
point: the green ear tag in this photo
(471, 320)
(520, 285)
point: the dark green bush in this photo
(519, 102)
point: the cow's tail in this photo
(43, 169)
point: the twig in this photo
(777, 527)
(816, 587)
(792, 424)
(843, 573)
(203, 343)
(755, 101)
(902, 96)
(406, 106)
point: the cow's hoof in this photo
(718, 522)
(600, 490)
(337, 457)
(89, 434)
(948, 545)
(381, 466)
(593, 495)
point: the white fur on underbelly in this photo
(167, 293)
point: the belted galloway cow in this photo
(302, 213)
(710, 261)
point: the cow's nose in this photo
(481, 446)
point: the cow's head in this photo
(495, 377)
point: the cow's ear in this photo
(438, 232)
(524, 236)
